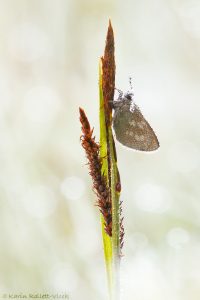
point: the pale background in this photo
(50, 239)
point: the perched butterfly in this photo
(131, 128)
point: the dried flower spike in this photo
(94, 162)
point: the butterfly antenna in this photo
(131, 91)
(130, 82)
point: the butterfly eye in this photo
(129, 96)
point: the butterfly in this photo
(131, 128)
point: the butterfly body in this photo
(131, 128)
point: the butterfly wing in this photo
(133, 131)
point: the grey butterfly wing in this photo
(133, 131)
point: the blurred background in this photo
(50, 239)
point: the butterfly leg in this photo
(120, 93)
(117, 103)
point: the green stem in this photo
(115, 220)
(107, 241)
(111, 245)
